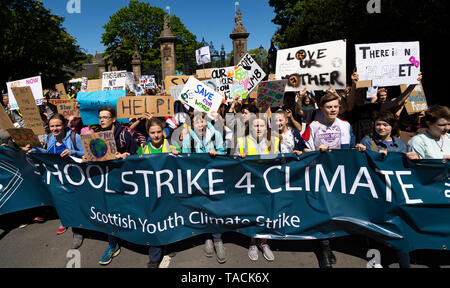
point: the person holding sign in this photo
(258, 142)
(157, 144)
(14, 115)
(329, 133)
(203, 138)
(126, 146)
(61, 141)
(434, 143)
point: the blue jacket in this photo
(396, 146)
(51, 143)
(211, 140)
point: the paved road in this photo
(37, 245)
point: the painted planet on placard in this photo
(98, 148)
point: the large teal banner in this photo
(161, 199)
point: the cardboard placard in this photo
(22, 137)
(416, 101)
(5, 121)
(61, 91)
(170, 81)
(200, 96)
(270, 94)
(94, 85)
(136, 106)
(115, 80)
(388, 64)
(34, 83)
(28, 108)
(67, 108)
(314, 67)
(203, 74)
(99, 146)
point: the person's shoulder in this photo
(418, 139)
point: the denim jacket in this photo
(396, 146)
(51, 142)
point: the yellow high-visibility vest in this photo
(165, 148)
(251, 150)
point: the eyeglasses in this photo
(104, 117)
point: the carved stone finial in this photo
(239, 27)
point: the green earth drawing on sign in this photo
(98, 148)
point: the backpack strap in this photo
(374, 145)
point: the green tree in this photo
(140, 25)
(303, 22)
(33, 42)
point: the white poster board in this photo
(116, 80)
(35, 85)
(147, 81)
(388, 64)
(203, 55)
(224, 77)
(250, 75)
(314, 67)
(200, 96)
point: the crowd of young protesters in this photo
(306, 122)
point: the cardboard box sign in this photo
(99, 146)
(416, 101)
(61, 91)
(28, 108)
(22, 137)
(170, 81)
(67, 108)
(5, 121)
(137, 106)
(94, 85)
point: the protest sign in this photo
(253, 72)
(224, 78)
(28, 108)
(175, 91)
(94, 85)
(416, 101)
(92, 101)
(314, 67)
(135, 107)
(66, 107)
(84, 83)
(147, 81)
(115, 80)
(203, 55)
(35, 85)
(22, 137)
(5, 121)
(61, 91)
(133, 86)
(170, 81)
(99, 146)
(203, 74)
(270, 94)
(200, 96)
(388, 64)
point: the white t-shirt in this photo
(336, 136)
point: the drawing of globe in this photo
(98, 147)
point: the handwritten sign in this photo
(147, 81)
(22, 137)
(116, 80)
(5, 121)
(35, 85)
(224, 78)
(251, 70)
(28, 108)
(134, 107)
(200, 96)
(91, 102)
(133, 86)
(94, 85)
(99, 146)
(170, 81)
(67, 108)
(388, 64)
(271, 94)
(315, 67)
(202, 55)
(61, 91)
(175, 91)
(416, 101)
